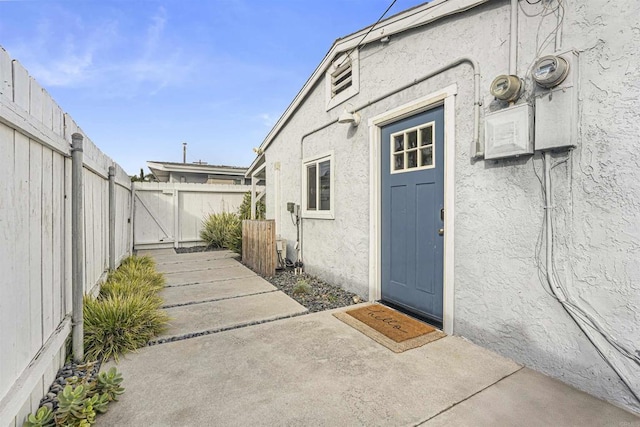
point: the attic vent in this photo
(341, 78)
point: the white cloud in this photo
(101, 57)
(268, 120)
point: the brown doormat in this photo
(396, 331)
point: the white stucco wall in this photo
(500, 302)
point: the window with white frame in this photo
(413, 149)
(318, 187)
(342, 79)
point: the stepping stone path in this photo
(209, 292)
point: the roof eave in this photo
(411, 18)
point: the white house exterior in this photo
(488, 263)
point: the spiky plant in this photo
(218, 229)
(138, 261)
(144, 275)
(117, 324)
(124, 287)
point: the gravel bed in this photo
(312, 292)
(197, 249)
(89, 370)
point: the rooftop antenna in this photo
(184, 152)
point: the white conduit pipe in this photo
(477, 150)
(477, 103)
(513, 38)
(555, 287)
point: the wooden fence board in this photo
(57, 124)
(35, 220)
(259, 246)
(35, 245)
(47, 110)
(67, 237)
(21, 249)
(8, 309)
(58, 237)
(20, 86)
(6, 75)
(35, 99)
(89, 229)
(47, 244)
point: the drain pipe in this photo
(300, 225)
(77, 247)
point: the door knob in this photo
(441, 232)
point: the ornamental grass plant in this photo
(126, 314)
(221, 230)
(224, 230)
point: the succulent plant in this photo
(42, 418)
(100, 402)
(71, 405)
(109, 383)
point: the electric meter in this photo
(549, 71)
(506, 87)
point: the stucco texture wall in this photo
(500, 301)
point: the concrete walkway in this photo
(258, 361)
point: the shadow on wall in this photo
(513, 340)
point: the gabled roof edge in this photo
(410, 18)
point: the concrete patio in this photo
(261, 360)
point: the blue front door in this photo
(412, 197)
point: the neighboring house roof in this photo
(403, 21)
(163, 169)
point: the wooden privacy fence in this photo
(36, 227)
(259, 246)
(170, 214)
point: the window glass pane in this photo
(426, 136)
(311, 187)
(412, 159)
(412, 137)
(426, 156)
(398, 162)
(325, 185)
(398, 143)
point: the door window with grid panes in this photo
(413, 149)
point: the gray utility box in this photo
(509, 132)
(556, 124)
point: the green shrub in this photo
(221, 230)
(138, 262)
(125, 286)
(244, 211)
(302, 287)
(140, 274)
(117, 324)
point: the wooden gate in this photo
(170, 215)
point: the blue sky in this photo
(141, 77)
